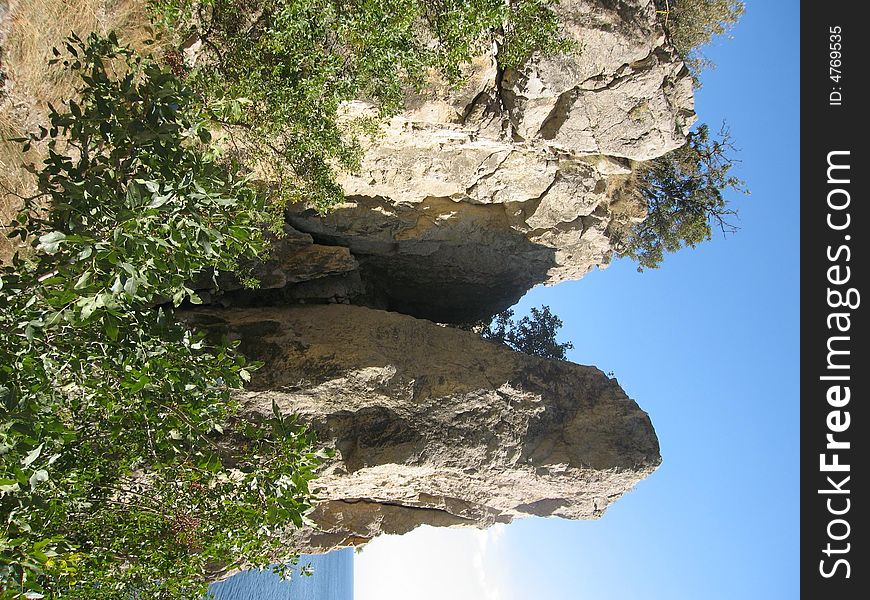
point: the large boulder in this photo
(433, 425)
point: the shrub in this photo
(116, 480)
(684, 194)
(533, 334)
(296, 61)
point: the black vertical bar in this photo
(835, 368)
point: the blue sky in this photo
(708, 345)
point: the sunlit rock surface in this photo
(433, 425)
(473, 195)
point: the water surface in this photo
(332, 580)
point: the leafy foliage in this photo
(692, 24)
(684, 194)
(533, 334)
(296, 61)
(117, 479)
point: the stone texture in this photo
(298, 270)
(625, 94)
(473, 195)
(433, 425)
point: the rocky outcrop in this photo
(464, 201)
(433, 425)
(473, 195)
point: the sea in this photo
(332, 579)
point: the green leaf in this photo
(111, 329)
(8, 486)
(140, 384)
(50, 242)
(38, 477)
(83, 280)
(89, 306)
(131, 286)
(158, 200)
(32, 456)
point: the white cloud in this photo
(433, 564)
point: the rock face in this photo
(473, 195)
(434, 425)
(466, 200)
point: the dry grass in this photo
(13, 180)
(33, 28)
(39, 25)
(627, 205)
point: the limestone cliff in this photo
(465, 201)
(473, 195)
(433, 425)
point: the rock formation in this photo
(472, 196)
(466, 200)
(433, 425)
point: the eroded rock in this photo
(433, 425)
(473, 195)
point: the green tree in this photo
(533, 334)
(296, 61)
(684, 192)
(692, 24)
(117, 476)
